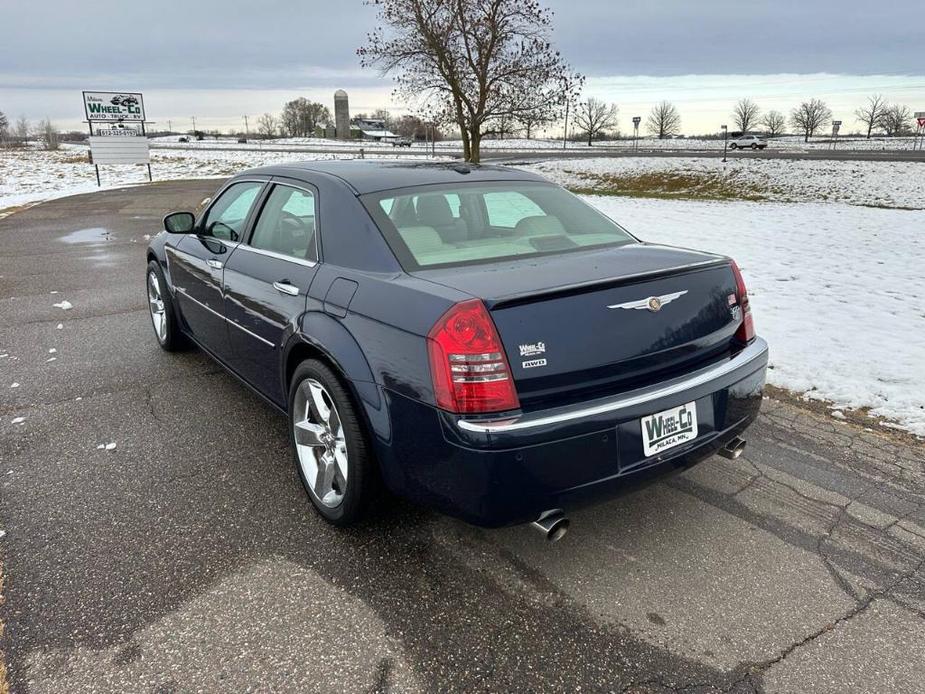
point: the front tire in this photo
(754, 146)
(161, 310)
(733, 146)
(329, 445)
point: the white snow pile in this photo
(838, 291)
(64, 305)
(881, 184)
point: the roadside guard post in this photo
(919, 140)
(117, 129)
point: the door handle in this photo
(286, 288)
(214, 264)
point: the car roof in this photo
(370, 175)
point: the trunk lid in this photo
(576, 326)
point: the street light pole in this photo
(725, 140)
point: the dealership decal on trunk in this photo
(532, 350)
(652, 303)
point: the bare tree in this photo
(473, 60)
(300, 117)
(530, 121)
(23, 128)
(745, 114)
(49, 134)
(895, 119)
(594, 116)
(266, 125)
(810, 116)
(870, 113)
(4, 126)
(773, 122)
(664, 120)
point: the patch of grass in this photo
(674, 185)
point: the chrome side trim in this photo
(274, 254)
(252, 334)
(182, 291)
(756, 351)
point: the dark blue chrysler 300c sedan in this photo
(473, 338)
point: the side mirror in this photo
(179, 222)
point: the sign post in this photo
(919, 139)
(836, 125)
(725, 140)
(636, 121)
(117, 129)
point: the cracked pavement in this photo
(189, 559)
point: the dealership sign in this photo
(114, 106)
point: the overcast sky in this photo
(220, 59)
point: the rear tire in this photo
(329, 445)
(754, 146)
(161, 310)
(733, 146)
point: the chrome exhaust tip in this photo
(553, 524)
(733, 449)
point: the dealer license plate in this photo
(669, 428)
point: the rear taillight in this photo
(746, 331)
(467, 362)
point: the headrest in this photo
(434, 211)
(547, 225)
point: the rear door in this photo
(266, 284)
(197, 262)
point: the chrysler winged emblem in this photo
(651, 303)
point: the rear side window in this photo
(477, 223)
(286, 224)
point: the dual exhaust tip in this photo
(553, 524)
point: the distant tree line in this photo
(19, 133)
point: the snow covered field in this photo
(838, 287)
(882, 184)
(28, 176)
(838, 291)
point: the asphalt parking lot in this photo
(188, 557)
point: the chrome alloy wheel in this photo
(156, 305)
(320, 443)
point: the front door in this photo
(197, 264)
(266, 284)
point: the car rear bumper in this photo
(495, 472)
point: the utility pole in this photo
(565, 131)
(194, 124)
(246, 130)
(169, 126)
(636, 121)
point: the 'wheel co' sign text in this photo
(114, 106)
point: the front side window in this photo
(226, 218)
(475, 223)
(287, 224)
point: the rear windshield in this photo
(467, 224)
